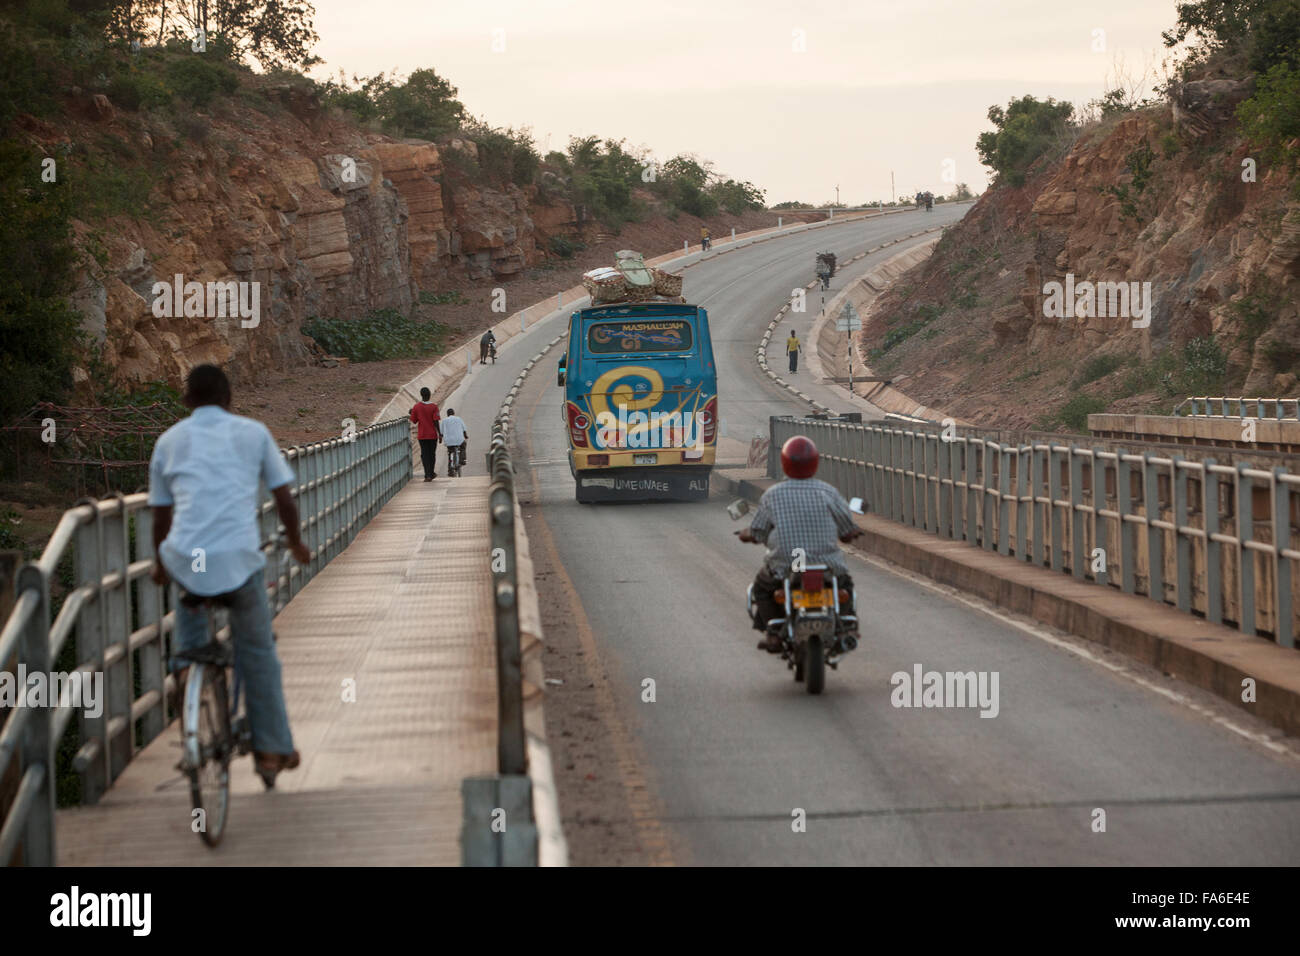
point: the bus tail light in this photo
(578, 425)
(709, 419)
(598, 460)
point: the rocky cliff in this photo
(271, 188)
(1159, 196)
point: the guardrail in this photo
(512, 757)
(1261, 408)
(118, 618)
(1214, 540)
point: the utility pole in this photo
(892, 197)
(837, 194)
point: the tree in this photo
(275, 34)
(425, 106)
(1026, 129)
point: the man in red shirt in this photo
(425, 415)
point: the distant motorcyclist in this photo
(488, 340)
(705, 239)
(800, 517)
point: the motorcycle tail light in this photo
(780, 597)
(813, 581)
(844, 597)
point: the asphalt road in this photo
(733, 749)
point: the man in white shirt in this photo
(204, 488)
(454, 435)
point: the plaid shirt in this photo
(802, 513)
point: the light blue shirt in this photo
(453, 430)
(209, 467)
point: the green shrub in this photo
(1099, 366)
(1074, 413)
(1198, 368)
(382, 334)
(1271, 117)
(39, 330)
(136, 89)
(199, 80)
(564, 247)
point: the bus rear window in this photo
(643, 335)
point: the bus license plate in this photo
(645, 459)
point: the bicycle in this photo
(213, 729)
(455, 459)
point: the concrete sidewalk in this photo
(402, 622)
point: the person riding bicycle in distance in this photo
(486, 342)
(204, 480)
(801, 517)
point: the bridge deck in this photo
(397, 612)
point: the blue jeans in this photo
(256, 661)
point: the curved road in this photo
(732, 748)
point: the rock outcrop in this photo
(327, 219)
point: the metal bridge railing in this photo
(1277, 409)
(1214, 540)
(118, 618)
(512, 757)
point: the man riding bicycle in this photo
(455, 436)
(204, 481)
(799, 519)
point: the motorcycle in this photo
(820, 625)
(492, 351)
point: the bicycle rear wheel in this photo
(209, 742)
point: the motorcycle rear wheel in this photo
(814, 662)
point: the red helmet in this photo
(799, 457)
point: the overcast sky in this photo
(880, 85)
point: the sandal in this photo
(274, 763)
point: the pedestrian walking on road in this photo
(428, 429)
(792, 347)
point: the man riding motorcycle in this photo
(799, 519)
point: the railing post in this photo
(1213, 548)
(1054, 494)
(988, 494)
(1245, 556)
(945, 489)
(1155, 535)
(1100, 537)
(1127, 533)
(1023, 501)
(1036, 487)
(1182, 541)
(1284, 626)
(153, 654)
(38, 739)
(88, 569)
(1004, 504)
(119, 670)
